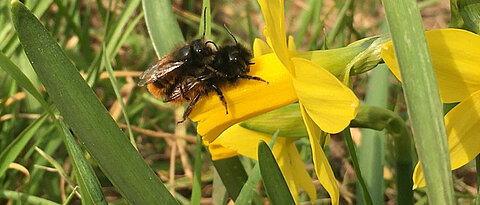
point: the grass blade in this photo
(197, 175)
(422, 97)
(162, 25)
(85, 114)
(371, 151)
(26, 198)
(88, 182)
(275, 185)
(353, 155)
(233, 175)
(13, 149)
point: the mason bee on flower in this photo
(197, 69)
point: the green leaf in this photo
(25, 198)
(353, 155)
(233, 175)
(422, 97)
(87, 180)
(275, 185)
(15, 72)
(371, 151)
(197, 175)
(86, 115)
(14, 148)
(162, 25)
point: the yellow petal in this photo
(245, 142)
(247, 99)
(275, 29)
(218, 152)
(455, 56)
(241, 140)
(463, 129)
(418, 179)
(322, 167)
(260, 48)
(329, 103)
(301, 175)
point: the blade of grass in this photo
(25, 198)
(93, 192)
(89, 185)
(248, 193)
(14, 148)
(70, 196)
(219, 194)
(86, 115)
(162, 25)
(273, 181)
(353, 155)
(197, 175)
(206, 18)
(304, 20)
(233, 175)
(422, 97)
(371, 151)
(116, 89)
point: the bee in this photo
(196, 69)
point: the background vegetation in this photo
(109, 44)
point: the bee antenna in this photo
(204, 21)
(231, 34)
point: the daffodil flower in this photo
(455, 55)
(326, 104)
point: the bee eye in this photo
(232, 58)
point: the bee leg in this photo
(182, 91)
(249, 77)
(217, 72)
(189, 108)
(220, 95)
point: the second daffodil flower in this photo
(327, 105)
(456, 60)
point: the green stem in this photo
(378, 119)
(351, 149)
(422, 97)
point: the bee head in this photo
(195, 52)
(233, 59)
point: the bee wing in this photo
(185, 88)
(158, 71)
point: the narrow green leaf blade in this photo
(162, 25)
(8, 66)
(14, 148)
(87, 180)
(422, 97)
(275, 185)
(233, 175)
(28, 199)
(86, 115)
